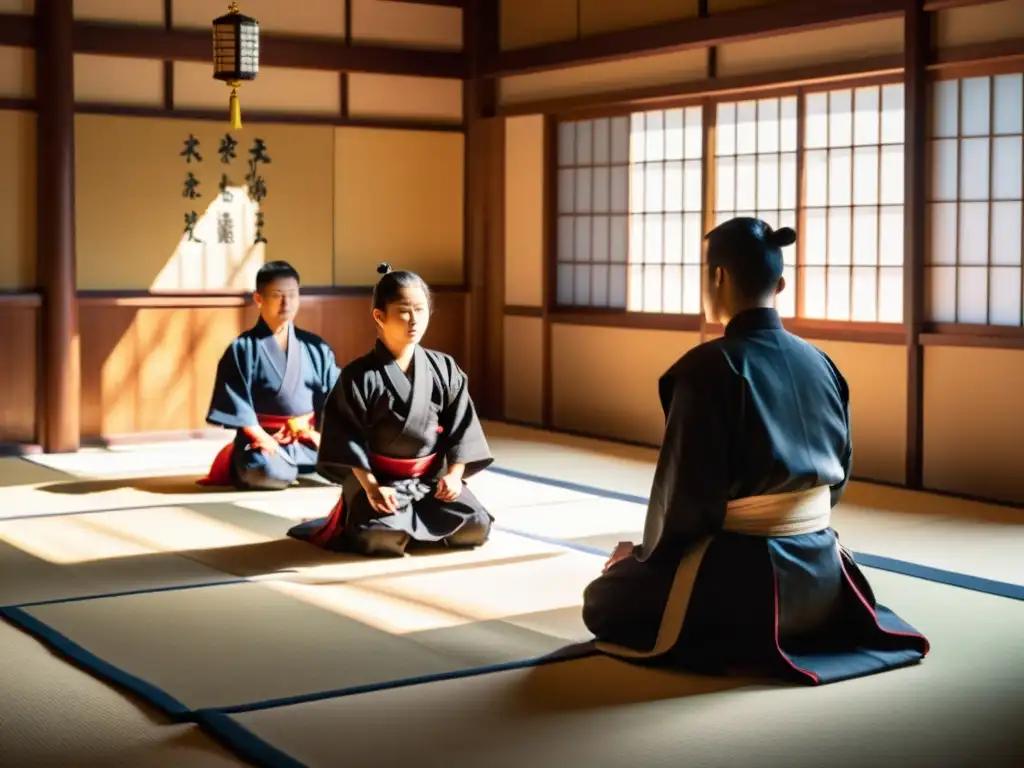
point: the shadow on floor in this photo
(169, 485)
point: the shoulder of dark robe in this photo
(464, 434)
(321, 352)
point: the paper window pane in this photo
(890, 295)
(567, 143)
(943, 170)
(693, 191)
(565, 238)
(584, 189)
(814, 292)
(974, 169)
(746, 127)
(864, 307)
(673, 238)
(815, 236)
(942, 237)
(693, 139)
(768, 125)
(840, 118)
(940, 306)
(866, 115)
(1007, 168)
(672, 289)
(566, 190)
(619, 238)
(1006, 234)
(599, 285)
(865, 175)
(1008, 94)
(584, 142)
(655, 135)
(565, 284)
(865, 236)
(617, 286)
(725, 183)
(674, 134)
(974, 106)
(581, 286)
(892, 175)
(691, 290)
(600, 245)
(893, 114)
(890, 235)
(601, 189)
(840, 235)
(946, 109)
(620, 140)
(972, 295)
(602, 141)
(973, 231)
(840, 176)
(768, 182)
(620, 188)
(582, 239)
(1005, 296)
(725, 130)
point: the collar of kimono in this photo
(758, 319)
(781, 514)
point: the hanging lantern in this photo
(236, 55)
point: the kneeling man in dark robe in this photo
(739, 570)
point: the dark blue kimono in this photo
(259, 383)
(759, 412)
(379, 419)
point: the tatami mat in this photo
(239, 643)
(311, 622)
(53, 715)
(960, 708)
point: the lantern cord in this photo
(235, 108)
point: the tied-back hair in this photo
(389, 287)
(751, 252)
(274, 270)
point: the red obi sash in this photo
(403, 468)
(283, 429)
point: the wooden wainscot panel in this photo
(19, 316)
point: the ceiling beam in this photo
(745, 24)
(151, 42)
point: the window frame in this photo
(877, 332)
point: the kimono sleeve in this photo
(231, 403)
(691, 481)
(847, 454)
(463, 435)
(343, 433)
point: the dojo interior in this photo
(549, 167)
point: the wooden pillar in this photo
(55, 214)
(917, 47)
(484, 267)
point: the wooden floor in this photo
(107, 521)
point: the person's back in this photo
(739, 568)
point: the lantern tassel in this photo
(235, 109)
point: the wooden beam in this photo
(945, 5)
(161, 42)
(484, 268)
(55, 224)
(746, 24)
(439, 3)
(917, 46)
